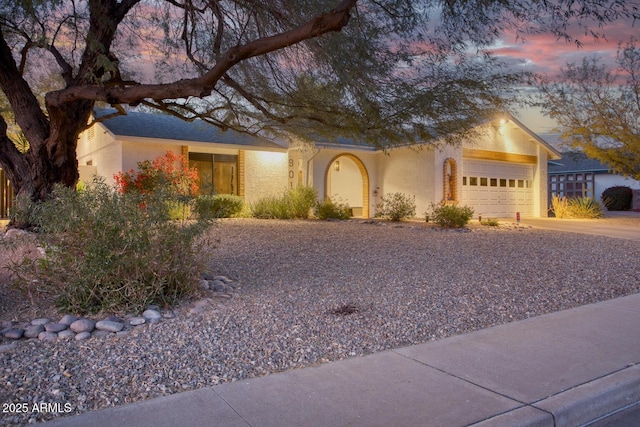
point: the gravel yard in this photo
(314, 292)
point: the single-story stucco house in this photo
(577, 175)
(500, 173)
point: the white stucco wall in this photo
(265, 174)
(405, 170)
(135, 152)
(100, 149)
(604, 181)
(504, 137)
(345, 184)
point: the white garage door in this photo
(497, 189)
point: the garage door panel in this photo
(501, 189)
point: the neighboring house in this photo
(577, 175)
(500, 173)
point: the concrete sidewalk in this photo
(561, 369)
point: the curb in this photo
(579, 406)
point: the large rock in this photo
(109, 326)
(33, 331)
(68, 319)
(14, 334)
(152, 315)
(82, 325)
(47, 336)
(55, 327)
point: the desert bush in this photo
(328, 209)
(271, 207)
(576, 207)
(450, 216)
(560, 206)
(396, 206)
(301, 200)
(296, 203)
(218, 206)
(490, 222)
(617, 198)
(585, 207)
(116, 252)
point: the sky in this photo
(544, 53)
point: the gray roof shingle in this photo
(163, 126)
(576, 162)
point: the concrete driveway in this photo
(620, 225)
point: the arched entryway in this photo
(346, 180)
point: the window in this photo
(494, 182)
(483, 182)
(217, 173)
(464, 180)
(503, 182)
(520, 183)
(512, 183)
(473, 180)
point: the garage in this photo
(497, 189)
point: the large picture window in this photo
(217, 173)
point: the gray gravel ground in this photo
(313, 292)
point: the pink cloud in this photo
(547, 54)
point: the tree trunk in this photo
(48, 162)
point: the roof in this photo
(573, 161)
(349, 143)
(163, 126)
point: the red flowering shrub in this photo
(170, 173)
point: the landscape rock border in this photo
(82, 328)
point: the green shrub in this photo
(218, 206)
(328, 209)
(560, 206)
(617, 198)
(396, 206)
(584, 207)
(301, 200)
(271, 207)
(450, 216)
(576, 207)
(490, 222)
(116, 252)
(296, 203)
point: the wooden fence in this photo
(6, 195)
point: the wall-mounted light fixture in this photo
(336, 165)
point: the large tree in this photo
(378, 71)
(597, 108)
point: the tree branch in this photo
(202, 86)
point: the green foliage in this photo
(328, 209)
(105, 252)
(271, 207)
(450, 216)
(218, 206)
(560, 206)
(617, 198)
(576, 207)
(584, 207)
(490, 222)
(396, 206)
(296, 203)
(301, 200)
(597, 108)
